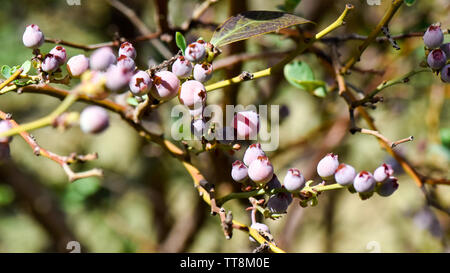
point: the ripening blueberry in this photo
(445, 73)
(33, 36)
(192, 94)
(260, 227)
(246, 124)
(126, 62)
(102, 58)
(446, 49)
(277, 203)
(293, 180)
(94, 120)
(364, 182)
(383, 172)
(252, 152)
(5, 125)
(203, 72)
(327, 166)
(195, 52)
(5, 152)
(165, 85)
(140, 83)
(117, 78)
(344, 175)
(50, 63)
(260, 170)
(239, 172)
(388, 187)
(182, 67)
(433, 37)
(198, 127)
(436, 59)
(60, 53)
(128, 50)
(77, 64)
(274, 183)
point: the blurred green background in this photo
(146, 197)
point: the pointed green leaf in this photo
(6, 71)
(300, 75)
(253, 23)
(180, 41)
(26, 67)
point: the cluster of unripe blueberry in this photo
(439, 53)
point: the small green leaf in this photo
(26, 66)
(132, 101)
(300, 75)
(410, 2)
(6, 71)
(180, 41)
(253, 23)
(445, 137)
(290, 5)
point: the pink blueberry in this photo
(128, 50)
(239, 172)
(246, 124)
(33, 36)
(327, 166)
(102, 58)
(433, 37)
(383, 172)
(77, 64)
(294, 180)
(252, 152)
(126, 62)
(182, 67)
(195, 52)
(192, 94)
(203, 72)
(50, 63)
(165, 85)
(364, 182)
(94, 120)
(141, 83)
(260, 170)
(60, 53)
(117, 78)
(345, 174)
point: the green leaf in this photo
(300, 75)
(26, 66)
(253, 23)
(445, 137)
(6, 71)
(290, 5)
(180, 41)
(410, 2)
(132, 101)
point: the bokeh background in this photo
(147, 203)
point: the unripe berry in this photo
(182, 67)
(60, 53)
(436, 59)
(5, 125)
(50, 63)
(102, 58)
(277, 204)
(364, 182)
(33, 37)
(446, 49)
(252, 152)
(246, 124)
(126, 62)
(77, 65)
(293, 180)
(195, 52)
(260, 227)
(94, 120)
(128, 50)
(192, 94)
(433, 37)
(117, 78)
(345, 174)
(239, 172)
(203, 72)
(383, 172)
(445, 73)
(327, 166)
(165, 85)
(140, 83)
(388, 187)
(274, 183)
(260, 170)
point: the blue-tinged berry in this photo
(77, 65)
(446, 48)
(364, 182)
(94, 120)
(239, 172)
(141, 83)
(126, 62)
(60, 53)
(128, 50)
(182, 67)
(294, 180)
(5, 125)
(195, 52)
(192, 94)
(274, 183)
(102, 58)
(277, 203)
(388, 187)
(345, 174)
(327, 166)
(203, 72)
(433, 37)
(260, 170)
(50, 63)
(445, 74)
(117, 78)
(246, 124)
(436, 59)
(383, 172)
(165, 85)
(33, 36)
(252, 152)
